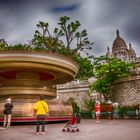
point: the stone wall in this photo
(76, 89)
(127, 91)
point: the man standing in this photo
(7, 113)
(41, 110)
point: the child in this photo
(97, 111)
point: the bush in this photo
(127, 111)
(89, 104)
(86, 114)
(75, 107)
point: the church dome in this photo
(119, 43)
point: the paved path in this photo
(89, 130)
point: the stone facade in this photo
(77, 89)
(122, 51)
(127, 91)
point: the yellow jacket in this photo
(41, 108)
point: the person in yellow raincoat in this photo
(41, 111)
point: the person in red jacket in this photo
(97, 111)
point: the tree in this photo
(3, 44)
(67, 30)
(75, 107)
(107, 70)
(73, 41)
(85, 67)
(89, 103)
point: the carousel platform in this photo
(33, 119)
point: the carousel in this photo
(24, 76)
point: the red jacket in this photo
(97, 108)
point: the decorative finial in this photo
(117, 32)
(130, 45)
(108, 49)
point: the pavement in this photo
(89, 130)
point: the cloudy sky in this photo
(101, 18)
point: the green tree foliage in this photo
(19, 47)
(89, 104)
(67, 39)
(107, 70)
(75, 107)
(85, 67)
(3, 44)
(74, 42)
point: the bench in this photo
(131, 114)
